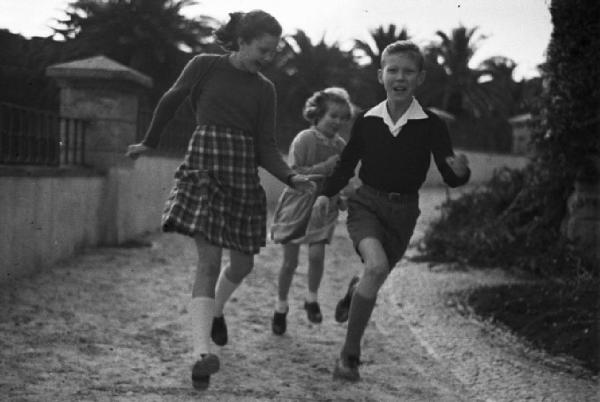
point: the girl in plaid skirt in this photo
(217, 198)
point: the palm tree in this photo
(148, 35)
(302, 68)
(23, 65)
(500, 85)
(431, 92)
(480, 98)
(381, 37)
(462, 93)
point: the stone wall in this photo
(48, 215)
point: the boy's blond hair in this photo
(404, 46)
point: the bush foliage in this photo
(515, 219)
(502, 224)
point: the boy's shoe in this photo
(313, 312)
(218, 332)
(343, 307)
(279, 324)
(202, 370)
(346, 368)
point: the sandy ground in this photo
(112, 325)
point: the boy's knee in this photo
(373, 278)
(377, 272)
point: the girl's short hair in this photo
(316, 106)
(246, 26)
(403, 46)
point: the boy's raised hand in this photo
(321, 206)
(459, 164)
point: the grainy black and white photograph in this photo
(272, 200)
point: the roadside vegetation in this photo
(516, 221)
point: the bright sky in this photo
(518, 29)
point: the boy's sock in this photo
(312, 297)
(201, 315)
(360, 313)
(281, 306)
(223, 292)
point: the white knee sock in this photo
(281, 306)
(223, 292)
(312, 297)
(201, 315)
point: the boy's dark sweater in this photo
(394, 164)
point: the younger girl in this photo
(314, 151)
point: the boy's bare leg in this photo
(375, 273)
(376, 267)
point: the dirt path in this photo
(111, 325)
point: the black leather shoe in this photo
(279, 324)
(202, 370)
(218, 332)
(313, 312)
(343, 307)
(346, 368)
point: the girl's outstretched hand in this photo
(321, 207)
(135, 150)
(305, 182)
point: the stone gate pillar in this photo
(107, 94)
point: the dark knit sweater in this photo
(394, 164)
(225, 96)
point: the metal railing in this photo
(35, 137)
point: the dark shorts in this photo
(389, 218)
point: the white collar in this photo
(414, 112)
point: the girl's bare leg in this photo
(316, 258)
(288, 268)
(207, 270)
(286, 274)
(231, 277)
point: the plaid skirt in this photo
(217, 192)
